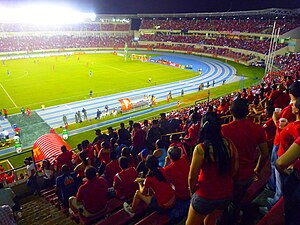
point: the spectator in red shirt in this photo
(191, 136)
(279, 97)
(138, 139)
(291, 186)
(177, 172)
(112, 168)
(175, 141)
(64, 158)
(163, 196)
(287, 113)
(89, 151)
(213, 166)
(91, 198)
(250, 142)
(124, 181)
(104, 154)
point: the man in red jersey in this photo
(251, 145)
(279, 97)
(175, 141)
(91, 198)
(64, 158)
(138, 139)
(112, 168)
(124, 184)
(283, 139)
(177, 172)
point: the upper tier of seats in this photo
(28, 43)
(239, 25)
(19, 27)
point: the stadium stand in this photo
(257, 25)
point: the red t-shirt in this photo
(192, 134)
(124, 184)
(163, 191)
(138, 138)
(270, 129)
(285, 113)
(287, 136)
(104, 156)
(246, 136)
(211, 185)
(64, 158)
(111, 169)
(93, 194)
(182, 148)
(282, 100)
(90, 153)
(177, 173)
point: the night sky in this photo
(164, 6)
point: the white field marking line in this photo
(115, 68)
(8, 96)
(17, 78)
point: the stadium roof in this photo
(264, 12)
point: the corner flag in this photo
(125, 51)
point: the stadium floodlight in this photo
(44, 14)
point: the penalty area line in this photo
(8, 96)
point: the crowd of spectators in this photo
(21, 27)
(261, 46)
(229, 25)
(29, 43)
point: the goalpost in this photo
(143, 58)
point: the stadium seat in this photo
(275, 216)
(113, 205)
(155, 219)
(122, 217)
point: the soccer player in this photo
(91, 73)
(91, 93)
(8, 73)
(149, 79)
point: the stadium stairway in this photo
(39, 211)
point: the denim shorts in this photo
(205, 207)
(154, 206)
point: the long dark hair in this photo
(154, 171)
(210, 135)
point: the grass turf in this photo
(56, 80)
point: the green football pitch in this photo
(56, 80)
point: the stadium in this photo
(149, 118)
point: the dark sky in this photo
(165, 6)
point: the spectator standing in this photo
(153, 135)
(138, 139)
(291, 186)
(124, 135)
(213, 166)
(252, 148)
